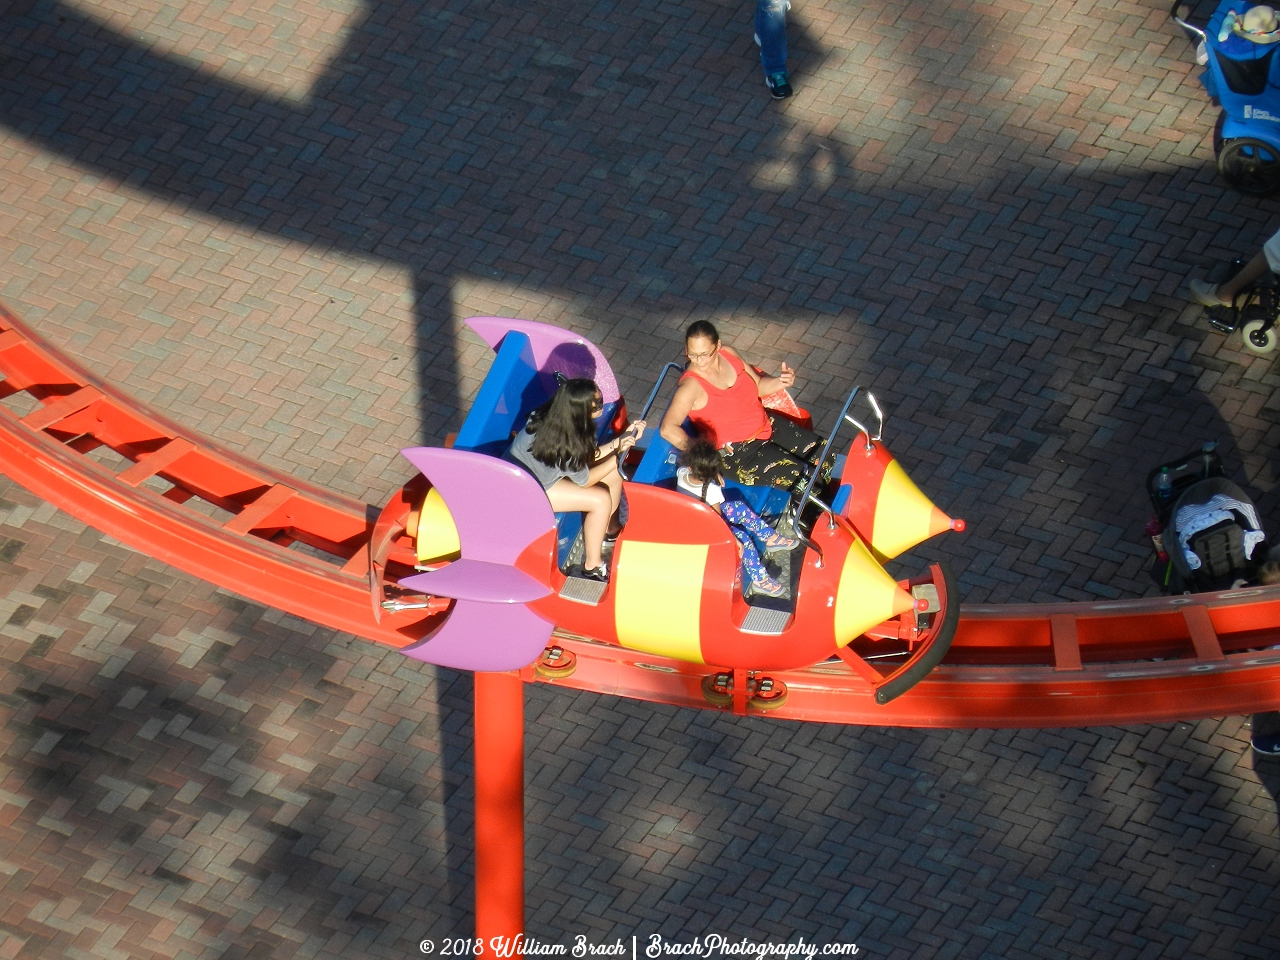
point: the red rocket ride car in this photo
(471, 559)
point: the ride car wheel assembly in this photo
(763, 693)
(556, 663)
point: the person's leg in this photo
(1265, 260)
(760, 463)
(595, 504)
(1249, 274)
(771, 34)
(752, 564)
(789, 453)
(740, 514)
(745, 461)
(1265, 737)
(803, 443)
(606, 472)
(1208, 295)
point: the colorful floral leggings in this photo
(747, 526)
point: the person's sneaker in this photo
(1267, 744)
(600, 573)
(778, 84)
(1206, 294)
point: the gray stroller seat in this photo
(1220, 548)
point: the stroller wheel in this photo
(1217, 134)
(1251, 166)
(1257, 339)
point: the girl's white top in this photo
(715, 493)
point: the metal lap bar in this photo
(817, 472)
(879, 416)
(158, 460)
(821, 503)
(1066, 642)
(648, 405)
(259, 512)
(1203, 637)
(61, 408)
(653, 394)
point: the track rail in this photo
(75, 441)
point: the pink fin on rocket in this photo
(485, 636)
(467, 579)
(498, 508)
(555, 350)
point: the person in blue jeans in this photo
(771, 35)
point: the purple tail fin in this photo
(555, 350)
(485, 636)
(499, 510)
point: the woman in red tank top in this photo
(720, 395)
(733, 414)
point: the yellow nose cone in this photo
(866, 595)
(904, 515)
(437, 534)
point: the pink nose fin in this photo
(499, 510)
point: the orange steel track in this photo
(1070, 664)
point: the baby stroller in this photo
(1242, 74)
(1210, 526)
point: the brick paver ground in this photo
(269, 219)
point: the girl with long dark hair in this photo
(558, 446)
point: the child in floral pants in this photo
(700, 476)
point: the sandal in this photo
(768, 587)
(778, 543)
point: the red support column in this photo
(499, 825)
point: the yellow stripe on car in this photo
(659, 598)
(865, 596)
(437, 533)
(904, 515)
